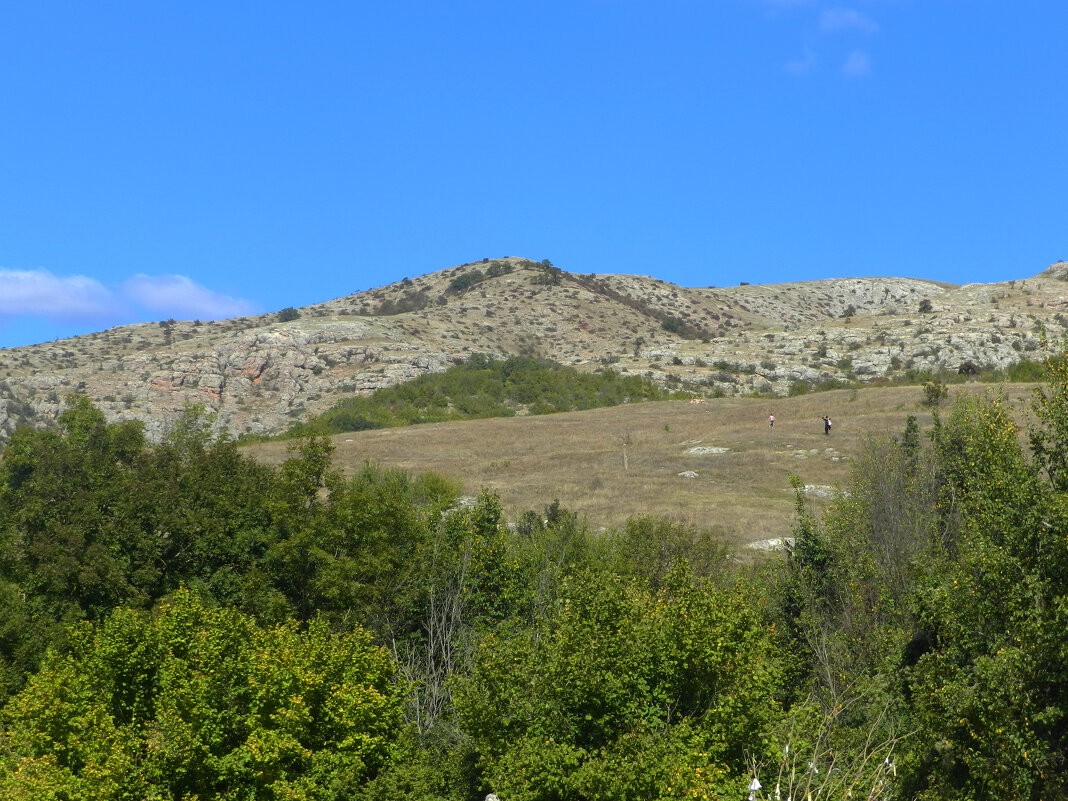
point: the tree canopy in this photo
(178, 621)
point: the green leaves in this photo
(483, 387)
(961, 546)
(196, 701)
(680, 682)
(1049, 438)
(990, 698)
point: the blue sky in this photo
(209, 159)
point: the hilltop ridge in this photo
(259, 374)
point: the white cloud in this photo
(803, 65)
(83, 300)
(39, 292)
(857, 64)
(846, 19)
(178, 296)
(823, 19)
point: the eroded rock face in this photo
(259, 375)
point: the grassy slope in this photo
(578, 456)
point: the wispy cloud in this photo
(846, 19)
(178, 296)
(39, 292)
(857, 64)
(823, 21)
(83, 300)
(803, 65)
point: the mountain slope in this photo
(260, 374)
(716, 465)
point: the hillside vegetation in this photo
(713, 465)
(180, 621)
(260, 375)
(480, 388)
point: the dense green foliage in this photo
(288, 314)
(941, 579)
(483, 387)
(179, 622)
(624, 693)
(198, 702)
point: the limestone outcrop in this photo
(259, 375)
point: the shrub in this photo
(466, 280)
(934, 392)
(288, 314)
(1026, 370)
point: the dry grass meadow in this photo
(610, 464)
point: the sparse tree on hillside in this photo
(288, 314)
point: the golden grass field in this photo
(610, 464)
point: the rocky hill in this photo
(260, 374)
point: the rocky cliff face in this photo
(258, 375)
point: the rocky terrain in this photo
(260, 374)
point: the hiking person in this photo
(771, 421)
(826, 425)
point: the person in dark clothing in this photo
(826, 424)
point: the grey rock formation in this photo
(258, 375)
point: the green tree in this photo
(91, 518)
(623, 693)
(991, 693)
(549, 274)
(196, 702)
(1049, 437)
(934, 392)
(466, 280)
(653, 547)
(71, 543)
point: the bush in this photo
(1026, 370)
(934, 392)
(288, 314)
(465, 281)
